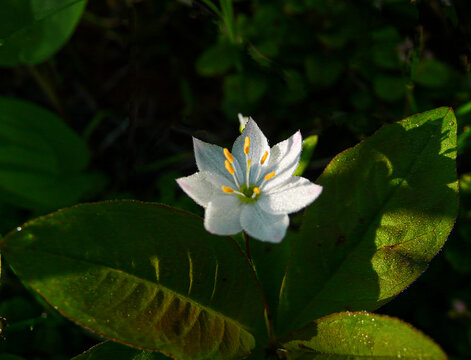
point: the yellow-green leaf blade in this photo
(361, 336)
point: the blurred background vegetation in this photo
(100, 102)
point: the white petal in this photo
(296, 194)
(198, 188)
(284, 159)
(262, 225)
(222, 216)
(258, 146)
(211, 158)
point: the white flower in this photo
(251, 188)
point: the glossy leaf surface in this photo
(143, 274)
(361, 336)
(387, 208)
(31, 31)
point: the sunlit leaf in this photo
(361, 335)
(387, 207)
(145, 275)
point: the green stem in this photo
(247, 246)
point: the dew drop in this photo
(19, 228)
(451, 123)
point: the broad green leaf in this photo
(387, 207)
(31, 31)
(114, 351)
(145, 275)
(41, 159)
(361, 336)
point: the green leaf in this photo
(309, 144)
(145, 275)
(10, 357)
(387, 207)
(31, 31)
(111, 350)
(361, 335)
(41, 159)
(218, 59)
(323, 72)
(389, 88)
(431, 73)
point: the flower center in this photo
(247, 192)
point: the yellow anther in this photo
(228, 155)
(256, 190)
(264, 158)
(270, 175)
(247, 145)
(229, 167)
(227, 189)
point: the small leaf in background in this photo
(389, 87)
(110, 350)
(32, 31)
(217, 59)
(143, 274)
(431, 73)
(42, 161)
(321, 72)
(10, 357)
(309, 144)
(384, 51)
(387, 208)
(361, 335)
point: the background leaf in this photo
(41, 159)
(145, 275)
(387, 207)
(31, 31)
(361, 335)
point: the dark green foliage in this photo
(99, 100)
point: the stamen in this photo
(228, 155)
(262, 161)
(247, 145)
(270, 176)
(227, 189)
(247, 175)
(264, 157)
(231, 171)
(229, 167)
(256, 190)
